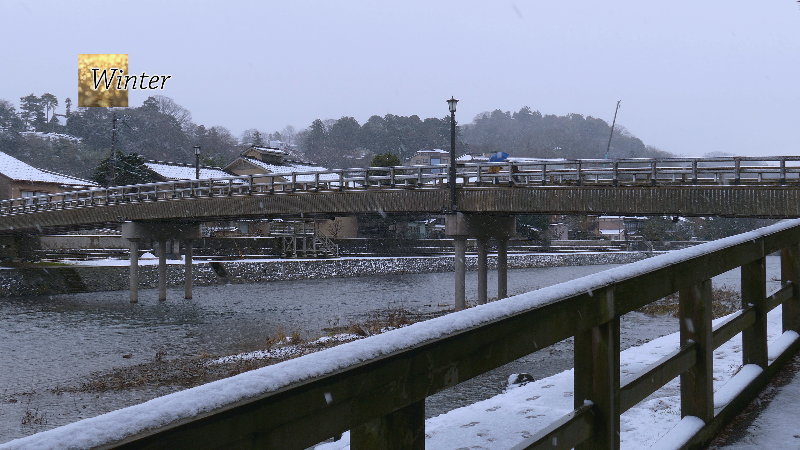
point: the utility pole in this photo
(612, 129)
(114, 149)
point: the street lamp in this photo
(451, 104)
(197, 162)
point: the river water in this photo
(54, 342)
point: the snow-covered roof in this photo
(435, 150)
(294, 167)
(175, 171)
(19, 171)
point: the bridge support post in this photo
(697, 384)
(502, 268)
(162, 269)
(483, 227)
(160, 232)
(134, 273)
(754, 291)
(400, 430)
(460, 263)
(188, 270)
(790, 272)
(483, 269)
(597, 379)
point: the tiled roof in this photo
(294, 167)
(19, 171)
(175, 171)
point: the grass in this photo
(724, 301)
(278, 347)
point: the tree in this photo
(29, 107)
(128, 169)
(385, 160)
(9, 122)
(49, 102)
(316, 141)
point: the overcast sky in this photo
(693, 76)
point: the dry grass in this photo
(724, 301)
(190, 372)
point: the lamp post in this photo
(197, 162)
(452, 178)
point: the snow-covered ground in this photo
(505, 420)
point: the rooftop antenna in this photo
(612, 130)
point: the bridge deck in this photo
(734, 201)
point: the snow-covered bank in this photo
(113, 274)
(505, 420)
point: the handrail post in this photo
(790, 272)
(544, 174)
(783, 172)
(653, 173)
(597, 377)
(400, 430)
(615, 174)
(391, 175)
(694, 171)
(697, 384)
(737, 163)
(754, 292)
(578, 172)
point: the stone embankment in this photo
(73, 279)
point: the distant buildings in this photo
(20, 180)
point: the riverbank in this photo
(113, 275)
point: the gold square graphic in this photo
(98, 80)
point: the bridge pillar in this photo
(482, 227)
(188, 269)
(460, 262)
(483, 256)
(134, 276)
(162, 269)
(160, 232)
(502, 268)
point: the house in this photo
(20, 180)
(266, 160)
(430, 157)
(170, 171)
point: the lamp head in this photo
(452, 104)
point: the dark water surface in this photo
(58, 341)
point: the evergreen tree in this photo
(128, 169)
(28, 109)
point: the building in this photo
(430, 157)
(20, 180)
(265, 160)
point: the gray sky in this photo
(693, 77)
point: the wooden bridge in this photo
(743, 187)
(376, 387)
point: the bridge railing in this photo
(779, 170)
(376, 387)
